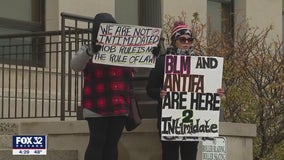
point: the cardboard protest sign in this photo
(127, 45)
(214, 149)
(190, 110)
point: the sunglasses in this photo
(183, 39)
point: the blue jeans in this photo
(105, 133)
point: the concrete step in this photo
(8, 128)
(142, 72)
(6, 142)
(141, 95)
(6, 154)
(148, 109)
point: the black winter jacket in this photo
(155, 84)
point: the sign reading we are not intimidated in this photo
(127, 45)
(191, 106)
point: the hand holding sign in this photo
(97, 46)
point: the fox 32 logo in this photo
(29, 142)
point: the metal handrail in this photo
(36, 78)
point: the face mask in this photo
(177, 51)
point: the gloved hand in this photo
(91, 49)
(83, 50)
(156, 50)
(96, 46)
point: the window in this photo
(29, 17)
(150, 13)
(220, 16)
(139, 12)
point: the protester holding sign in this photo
(105, 98)
(181, 44)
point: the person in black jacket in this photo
(181, 43)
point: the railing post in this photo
(63, 63)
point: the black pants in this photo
(172, 149)
(105, 133)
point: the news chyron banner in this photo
(29, 145)
(191, 107)
(127, 45)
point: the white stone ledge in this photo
(147, 126)
(74, 135)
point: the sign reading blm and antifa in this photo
(127, 45)
(190, 109)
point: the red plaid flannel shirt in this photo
(107, 89)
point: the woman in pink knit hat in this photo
(181, 44)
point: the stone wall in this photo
(141, 144)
